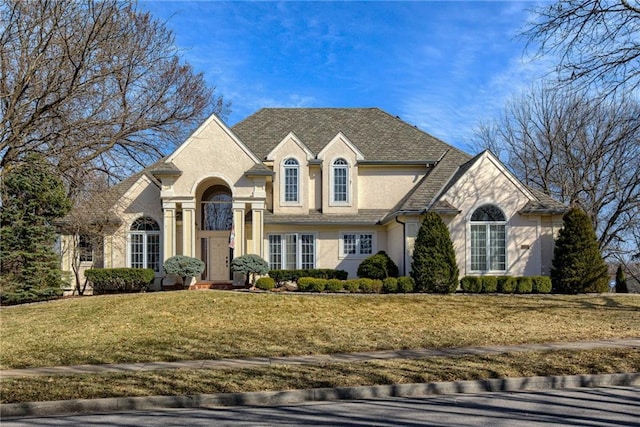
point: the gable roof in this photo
(377, 134)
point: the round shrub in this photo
(472, 284)
(406, 284)
(370, 286)
(390, 285)
(317, 285)
(265, 283)
(541, 284)
(250, 265)
(489, 284)
(333, 285)
(304, 284)
(184, 266)
(524, 285)
(506, 284)
(378, 266)
(352, 285)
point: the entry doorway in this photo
(216, 255)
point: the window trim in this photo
(358, 247)
(283, 248)
(487, 244)
(283, 185)
(332, 184)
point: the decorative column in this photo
(257, 227)
(169, 230)
(238, 229)
(189, 228)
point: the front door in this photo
(215, 254)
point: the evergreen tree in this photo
(577, 262)
(434, 267)
(621, 281)
(32, 198)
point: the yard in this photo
(209, 325)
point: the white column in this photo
(189, 228)
(169, 230)
(238, 226)
(257, 227)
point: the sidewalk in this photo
(317, 359)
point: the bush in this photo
(406, 284)
(311, 284)
(472, 284)
(11, 295)
(506, 284)
(390, 285)
(370, 286)
(334, 285)
(577, 262)
(281, 276)
(184, 266)
(541, 284)
(119, 280)
(251, 265)
(378, 266)
(352, 285)
(265, 283)
(621, 281)
(524, 285)
(489, 284)
(434, 267)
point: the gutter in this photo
(404, 245)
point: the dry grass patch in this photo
(182, 382)
(209, 325)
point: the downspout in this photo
(404, 245)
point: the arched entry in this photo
(216, 219)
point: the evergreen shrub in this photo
(352, 285)
(406, 284)
(506, 284)
(489, 284)
(281, 276)
(251, 265)
(184, 266)
(621, 281)
(378, 266)
(541, 284)
(524, 285)
(265, 283)
(370, 286)
(119, 280)
(472, 284)
(334, 285)
(434, 267)
(390, 285)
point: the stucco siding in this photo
(384, 187)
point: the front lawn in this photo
(209, 325)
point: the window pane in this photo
(497, 250)
(478, 247)
(366, 244)
(291, 182)
(487, 213)
(291, 243)
(217, 216)
(85, 248)
(307, 249)
(348, 244)
(153, 252)
(339, 184)
(137, 250)
(275, 252)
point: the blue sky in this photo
(441, 66)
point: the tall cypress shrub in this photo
(577, 262)
(434, 267)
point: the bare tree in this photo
(580, 150)
(93, 85)
(597, 41)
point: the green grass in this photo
(182, 382)
(209, 325)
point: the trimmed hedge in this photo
(489, 284)
(506, 284)
(119, 280)
(265, 283)
(472, 284)
(378, 266)
(524, 285)
(390, 285)
(406, 285)
(320, 273)
(334, 285)
(541, 284)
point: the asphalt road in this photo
(610, 406)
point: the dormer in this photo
(290, 159)
(340, 175)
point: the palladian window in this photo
(488, 239)
(144, 244)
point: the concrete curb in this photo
(272, 398)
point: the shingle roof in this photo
(543, 205)
(363, 217)
(377, 134)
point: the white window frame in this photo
(488, 247)
(347, 169)
(283, 185)
(145, 245)
(358, 235)
(282, 245)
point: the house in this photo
(324, 188)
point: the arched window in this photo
(291, 180)
(340, 185)
(144, 244)
(217, 209)
(488, 239)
